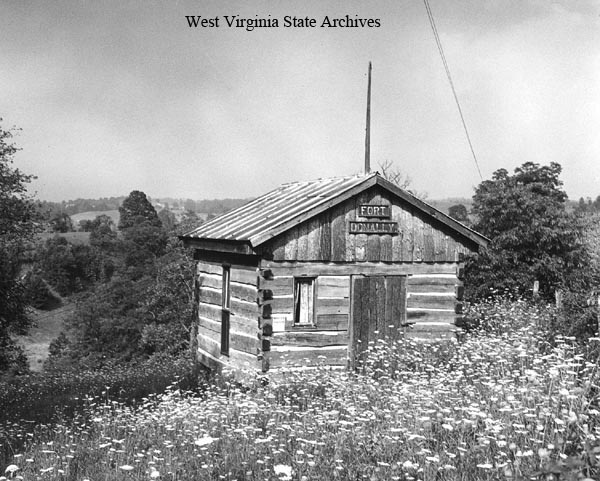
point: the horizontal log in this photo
(209, 311)
(248, 310)
(422, 315)
(210, 301)
(240, 341)
(210, 295)
(204, 267)
(241, 364)
(430, 301)
(309, 357)
(431, 288)
(282, 304)
(238, 325)
(436, 280)
(359, 268)
(332, 322)
(210, 280)
(244, 275)
(280, 285)
(244, 292)
(333, 286)
(310, 338)
(208, 343)
(208, 360)
(333, 306)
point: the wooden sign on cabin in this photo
(373, 227)
(370, 211)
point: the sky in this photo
(115, 96)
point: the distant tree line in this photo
(51, 210)
(587, 206)
(56, 212)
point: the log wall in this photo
(244, 343)
(433, 304)
(327, 341)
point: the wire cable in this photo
(447, 69)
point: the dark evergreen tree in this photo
(136, 209)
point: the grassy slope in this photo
(47, 326)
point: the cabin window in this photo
(304, 294)
(225, 310)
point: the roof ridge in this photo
(320, 179)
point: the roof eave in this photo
(219, 245)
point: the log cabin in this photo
(313, 272)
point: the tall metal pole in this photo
(368, 128)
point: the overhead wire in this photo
(447, 69)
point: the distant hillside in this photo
(80, 209)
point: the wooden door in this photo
(378, 309)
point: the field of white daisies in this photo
(504, 404)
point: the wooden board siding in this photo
(243, 330)
(420, 238)
(378, 310)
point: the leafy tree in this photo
(143, 243)
(532, 235)
(62, 223)
(102, 233)
(18, 223)
(86, 225)
(136, 208)
(167, 219)
(189, 221)
(69, 268)
(130, 317)
(459, 213)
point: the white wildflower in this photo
(205, 441)
(283, 471)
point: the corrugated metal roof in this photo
(257, 219)
(273, 213)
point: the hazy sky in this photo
(113, 96)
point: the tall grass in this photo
(58, 395)
(500, 405)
